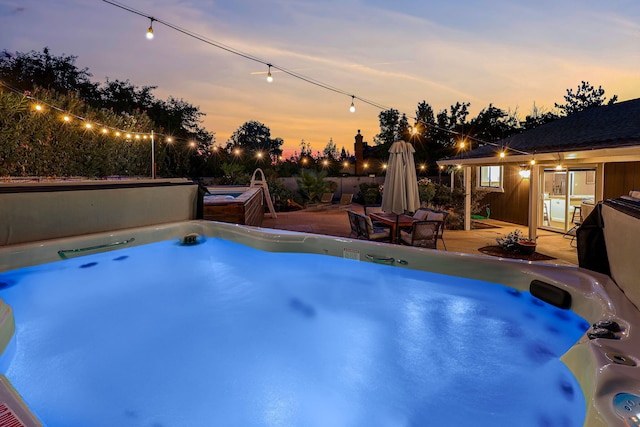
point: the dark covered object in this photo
(592, 251)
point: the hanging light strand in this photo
(68, 117)
(291, 73)
(250, 57)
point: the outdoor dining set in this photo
(423, 229)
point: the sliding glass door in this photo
(564, 191)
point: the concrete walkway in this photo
(334, 222)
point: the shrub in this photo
(311, 185)
(283, 198)
(370, 193)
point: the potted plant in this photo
(515, 241)
(526, 246)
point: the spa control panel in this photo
(628, 407)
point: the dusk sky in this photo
(509, 53)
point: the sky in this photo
(513, 54)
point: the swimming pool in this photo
(284, 398)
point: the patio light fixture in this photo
(150, 30)
(269, 76)
(524, 173)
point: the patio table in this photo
(394, 220)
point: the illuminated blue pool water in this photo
(220, 334)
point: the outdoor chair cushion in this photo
(373, 229)
(435, 216)
(420, 215)
(422, 234)
(374, 233)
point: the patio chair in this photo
(369, 232)
(423, 234)
(354, 224)
(346, 200)
(375, 209)
(575, 224)
(429, 214)
(325, 200)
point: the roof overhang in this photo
(603, 155)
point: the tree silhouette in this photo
(586, 96)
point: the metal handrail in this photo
(385, 260)
(63, 252)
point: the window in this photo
(490, 177)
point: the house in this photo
(541, 178)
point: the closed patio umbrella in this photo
(400, 192)
(413, 197)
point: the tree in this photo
(389, 121)
(493, 124)
(538, 117)
(330, 151)
(586, 96)
(311, 184)
(252, 142)
(26, 71)
(188, 156)
(124, 97)
(40, 143)
(305, 149)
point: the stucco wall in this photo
(34, 212)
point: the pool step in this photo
(13, 411)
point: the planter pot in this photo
(527, 248)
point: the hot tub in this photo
(604, 367)
(234, 204)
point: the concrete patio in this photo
(334, 222)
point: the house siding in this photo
(512, 205)
(620, 178)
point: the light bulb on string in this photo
(150, 30)
(353, 107)
(269, 76)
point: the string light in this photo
(291, 73)
(150, 30)
(246, 55)
(502, 154)
(269, 76)
(532, 162)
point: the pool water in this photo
(220, 334)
